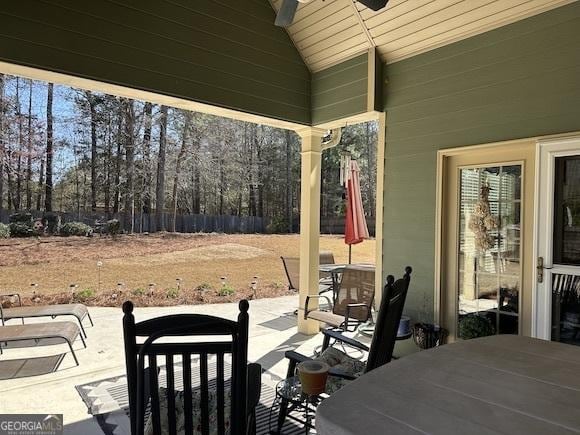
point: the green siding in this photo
(218, 52)
(517, 81)
(340, 91)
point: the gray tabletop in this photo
(503, 384)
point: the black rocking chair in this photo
(143, 373)
(343, 367)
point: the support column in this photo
(380, 211)
(309, 223)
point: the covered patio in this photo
(477, 108)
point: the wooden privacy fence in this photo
(143, 223)
(183, 224)
(335, 225)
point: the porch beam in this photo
(309, 223)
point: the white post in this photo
(309, 223)
(379, 211)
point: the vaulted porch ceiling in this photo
(327, 32)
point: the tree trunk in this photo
(129, 164)
(147, 173)
(195, 178)
(107, 167)
(49, 149)
(259, 182)
(29, 153)
(18, 196)
(117, 199)
(288, 183)
(93, 114)
(40, 185)
(2, 143)
(180, 156)
(160, 188)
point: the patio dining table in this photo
(499, 384)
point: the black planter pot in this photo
(427, 335)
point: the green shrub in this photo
(139, 291)
(76, 229)
(474, 326)
(204, 286)
(172, 293)
(4, 231)
(21, 217)
(278, 225)
(226, 290)
(113, 227)
(21, 225)
(85, 294)
(20, 229)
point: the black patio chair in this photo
(345, 368)
(162, 401)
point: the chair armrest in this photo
(306, 310)
(338, 336)
(10, 295)
(296, 357)
(254, 386)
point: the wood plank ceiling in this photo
(327, 32)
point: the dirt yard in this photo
(48, 266)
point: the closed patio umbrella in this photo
(355, 226)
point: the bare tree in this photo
(29, 151)
(182, 150)
(129, 111)
(49, 149)
(160, 188)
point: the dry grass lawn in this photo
(137, 261)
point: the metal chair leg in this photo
(73, 352)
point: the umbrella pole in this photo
(349, 254)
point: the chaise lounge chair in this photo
(79, 311)
(67, 331)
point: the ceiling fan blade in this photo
(286, 13)
(375, 5)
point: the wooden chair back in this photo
(143, 374)
(356, 287)
(390, 312)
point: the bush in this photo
(139, 291)
(84, 295)
(20, 229)
(113, 227)
(278, 225)
(474, 326)
(172, 293)
(4, 231)
(226, 290)
(76, 229)
(204, 286)
(21, 217)
(21, 225)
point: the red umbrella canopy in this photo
(355, 227)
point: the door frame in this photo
(440, 236)
(547, 150)
(442, 154)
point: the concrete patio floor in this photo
(272, 332)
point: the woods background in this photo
(92, 155)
